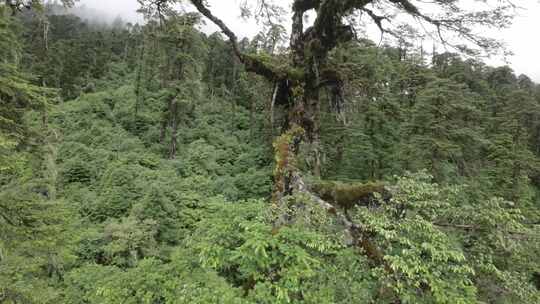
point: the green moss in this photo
(346, 195)
(296, 74)
(283, 155)
(278, 66)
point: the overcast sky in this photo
(523, 38)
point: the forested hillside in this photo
(153, 163)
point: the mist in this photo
(106, 12)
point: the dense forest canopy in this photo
(155, 163)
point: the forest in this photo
(156, 163)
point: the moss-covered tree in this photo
(308, 71)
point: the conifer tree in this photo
(443, 131)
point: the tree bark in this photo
(174, 128)
(251, 117)
(138, 92)
(165, 121)
(312, 126)
(304, 79)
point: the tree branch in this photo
(251, 63)
(224, 28)
(460, 23)
(377, 20)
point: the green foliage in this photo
(422, 264)
(295, 263)
(442, 132)
(151, 281)
(150, 181)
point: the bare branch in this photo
(251, 63)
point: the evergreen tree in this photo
(443, 133)
(151, 181)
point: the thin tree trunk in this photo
(174, 128)
(233, 93)
(163, 131)
(126, 50)
(139, 78)
(165, 121)
(251, 117)
(272, 109)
